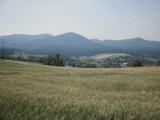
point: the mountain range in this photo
(73, 44)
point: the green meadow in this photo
(30, 91)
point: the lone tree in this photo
(136, 63)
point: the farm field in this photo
(30, 91)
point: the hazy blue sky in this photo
(103, 19)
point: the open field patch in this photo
(31, 91)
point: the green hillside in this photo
(31, 91)
(103, 56)
(106, 56)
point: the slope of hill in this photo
(106, 56)
(37, 92)
(73, 44)
(136, 46)
(103, 56)
(28, 42)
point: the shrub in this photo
(136, 63)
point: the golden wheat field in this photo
(30, 91)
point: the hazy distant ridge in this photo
(73, 44)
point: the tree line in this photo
(59, 60)
(53, 60)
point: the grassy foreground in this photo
(35, 92)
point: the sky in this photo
(101, 19)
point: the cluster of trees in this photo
(58, 60)
(108, 63)
(139, 63)
(136, 63)
(54, 60)
(112, 62)
(158, 63)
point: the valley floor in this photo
(31, 91)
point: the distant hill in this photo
(72, 44)
(135, 46)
